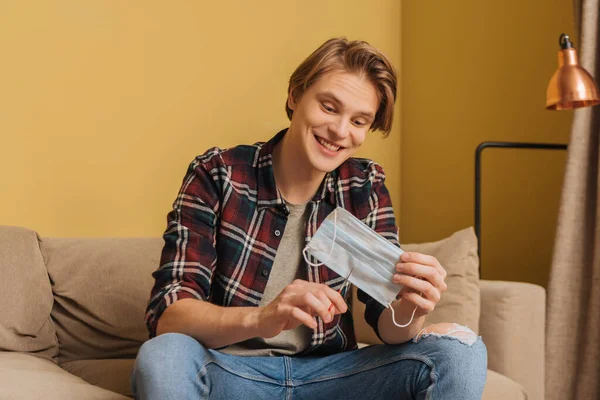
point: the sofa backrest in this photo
(101, 288)
(25, 295)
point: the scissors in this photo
(346, 282)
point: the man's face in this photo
(331, 119)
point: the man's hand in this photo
(423, 279)
(297, 304)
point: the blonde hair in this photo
(356, 57)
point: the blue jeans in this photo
(176, 366)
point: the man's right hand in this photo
(297, 304)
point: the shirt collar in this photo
(267, 192)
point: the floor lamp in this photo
(571, 87)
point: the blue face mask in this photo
(353, 250)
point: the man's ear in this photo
(291, 102)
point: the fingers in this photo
(421, 272)
(418, 285)
(424, 304)
(303, 317)
(331, 309)
(422, 266)
(336, 299)
(317, 298)
(424, 259)
(318, 305)
(424, 277)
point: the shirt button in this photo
(265, 272)
(277, 232)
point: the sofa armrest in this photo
(24, 376)
(512, 325)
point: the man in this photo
(236, 312)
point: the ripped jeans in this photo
(448, 363)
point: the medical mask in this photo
(353, 250)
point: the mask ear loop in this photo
(305, 250)
(394, 317)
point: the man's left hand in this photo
(423, 279)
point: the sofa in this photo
(72, 315)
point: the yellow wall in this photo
(105, 103)
(476, 71)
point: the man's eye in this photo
(328, 108)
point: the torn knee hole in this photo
(456, 331)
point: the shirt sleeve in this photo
(189, 255)
(382, 220)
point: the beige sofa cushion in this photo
(461, 302)
(23, 377)
(101, 289)
(499, 387)
(114, 375)
(25, 295)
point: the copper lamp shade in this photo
(571, 86)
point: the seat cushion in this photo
(499, 387)
(101, 289)
(25, 295)
(113, 375)
(460, 303)
(26, 377)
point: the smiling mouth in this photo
(329, 146)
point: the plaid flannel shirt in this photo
(227, 222)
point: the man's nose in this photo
(340, 127)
